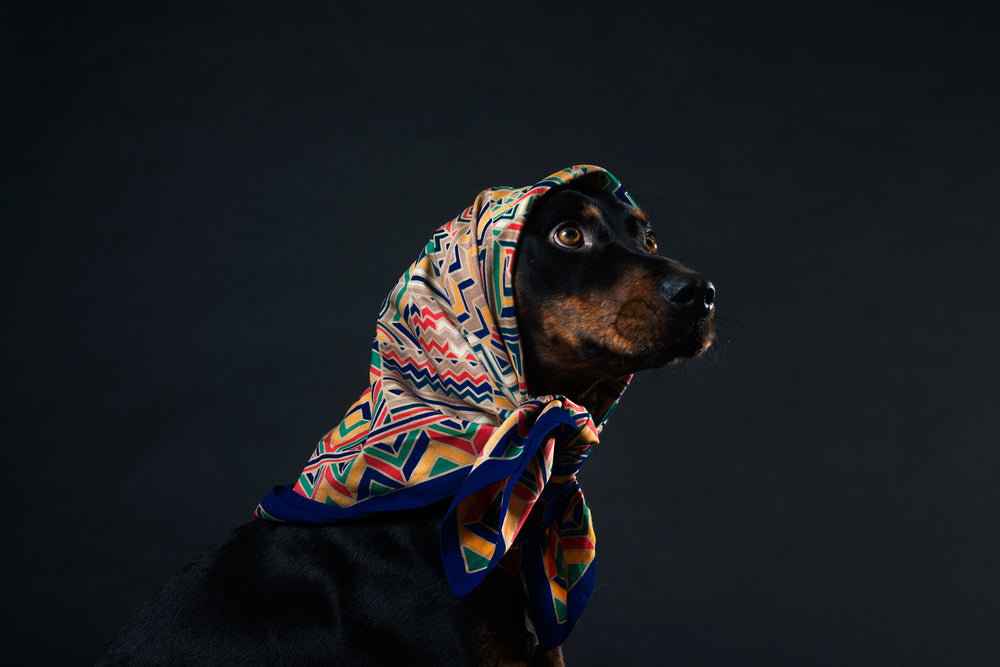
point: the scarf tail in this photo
(472, 542)
(560, 568)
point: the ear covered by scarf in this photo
(447, 414)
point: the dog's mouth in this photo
(644, 335)
(615, 340)
(570, 354)
(624, 338)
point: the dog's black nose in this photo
(691, 293)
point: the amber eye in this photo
(569, 236)
(651, 244)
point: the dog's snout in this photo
(690, 292)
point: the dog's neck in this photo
(586, 398)
(580, 390)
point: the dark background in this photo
(203, 207)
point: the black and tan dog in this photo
(594, 301)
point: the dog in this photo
(594, 300)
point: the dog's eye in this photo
(569, 236)
(651, 244)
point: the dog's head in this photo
(595, 300)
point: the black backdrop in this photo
(203, 207)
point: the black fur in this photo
(371, 592)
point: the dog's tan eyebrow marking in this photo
(638, 222)
(591, 212)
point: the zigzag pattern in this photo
(447, 408)
(462, 385)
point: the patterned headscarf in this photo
(447, 414)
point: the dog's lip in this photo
(663, 339)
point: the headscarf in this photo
(447, 414)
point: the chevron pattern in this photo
(447, 414)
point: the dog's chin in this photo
(687, 351)
(696, 341)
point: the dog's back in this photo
(362, 593)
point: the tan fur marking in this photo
(619, 319)
(591, 212)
